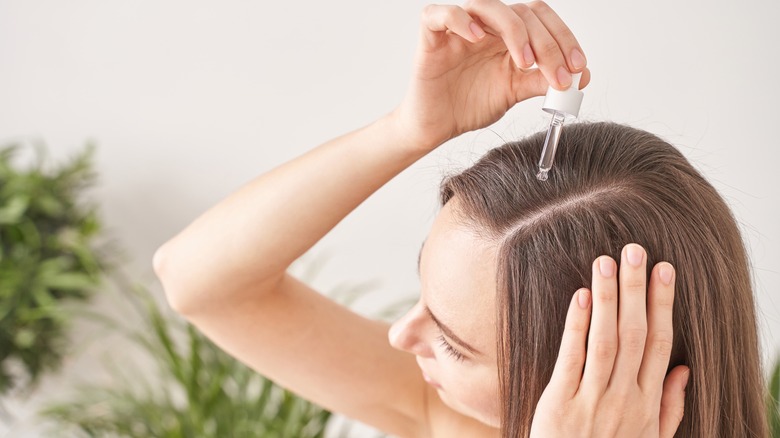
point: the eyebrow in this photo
(446, 330)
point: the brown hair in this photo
(612, 185)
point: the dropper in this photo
(560, 104)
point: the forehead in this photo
(457, 274)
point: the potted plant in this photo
(48, 259)
(198, 390)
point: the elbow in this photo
(174, 295)
(158, 261)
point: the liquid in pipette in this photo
(550, 145)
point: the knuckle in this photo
(576, 329)
(572, 360)
(626, 398)
(663, 300)
(619, 395)
(662, 343)
(566, 36)
(427, 10)
(549, 48)
(451, 14)
(473, 5)
(513, 26)
(538, 5)
(633, 339)
(521, 10)
(605, 350)
(634, 284)
(606, 296)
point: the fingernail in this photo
(577, 59)
(564, 77)
(634, 255)
(528, 55)
(685, 379)
(476, 30)
(583, 298)
(607, 267)
(666, 272)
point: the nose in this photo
(408, 333)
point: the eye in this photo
(448, 348)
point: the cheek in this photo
(473, 392)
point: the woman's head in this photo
(508, 243)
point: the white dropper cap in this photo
(567, 102)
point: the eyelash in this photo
(448, 348)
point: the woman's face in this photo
(452, 328)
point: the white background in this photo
(189, 100)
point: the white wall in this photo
(188, 100)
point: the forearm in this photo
(253, 235)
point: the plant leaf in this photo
(773, 400)
(69, 281)
(12, 212)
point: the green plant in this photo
(200, 391)
(773, 400)
(47, 259)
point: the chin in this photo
(491, 421)
(487, 418)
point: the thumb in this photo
(532, 83)
(673, 400)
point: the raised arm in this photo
(226, 272)
(249, 239)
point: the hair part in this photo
(612, 185)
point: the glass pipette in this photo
(550, 145)
(560, 104)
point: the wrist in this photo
(408, 136)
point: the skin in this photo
(227, 271)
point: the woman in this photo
(481, 357)
(506, 249)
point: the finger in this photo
(602, 339)
(585, 78)
(547, 52)
(500, 18)
(567, 373)
(673, 401)
(437, 19)
(632, 317)
(660, 329)
(571, 49)
(534, 83)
